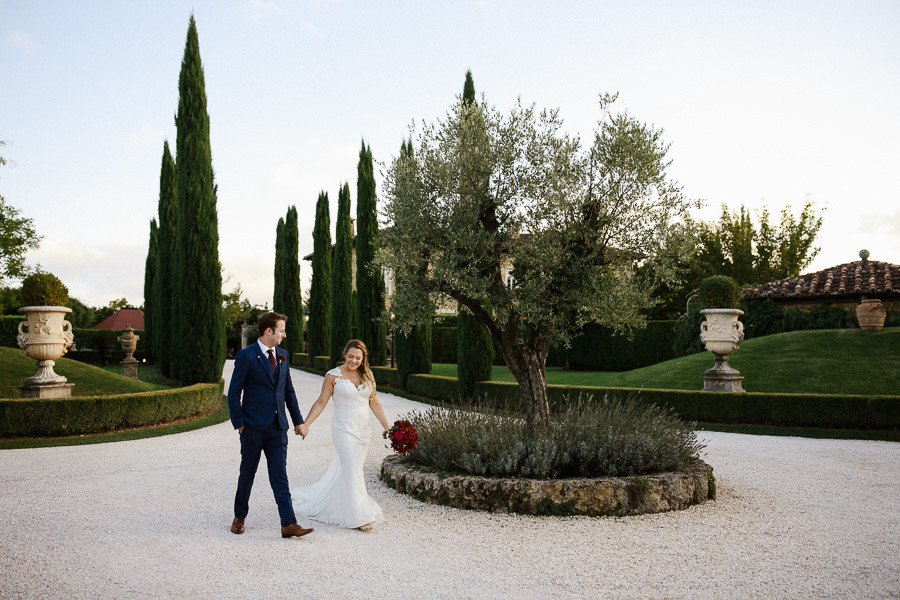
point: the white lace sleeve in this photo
(335, 371)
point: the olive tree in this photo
(588, 232)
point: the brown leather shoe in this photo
(237, 526)
(294, 530)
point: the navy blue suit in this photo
(258, 399)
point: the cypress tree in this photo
(341, 277)
(278, 292)
(149, 305)
(412, 350)
(369, 278)
(292, 304)
(318, 328)
(200, 329)
(163, 293)
(474, 350)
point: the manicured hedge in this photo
(386, 376)
(95, 339)
(597, 349)
(97, 357)
(301, 359)
(93, 414)
(437, 387)
(787, 410)
(322, 363)
(9, 330)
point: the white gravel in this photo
(795, 518)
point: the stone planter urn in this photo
(871, 313)
(45, 335)
(129, 344)
(722, 334)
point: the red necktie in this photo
(272, 358)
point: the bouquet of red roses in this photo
(403, 436)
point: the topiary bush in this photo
(443, 344)
(474, 354)
(719, 291)
(413, 353)
(44, 289)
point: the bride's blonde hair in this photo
(365, 375)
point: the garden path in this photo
(149, 519)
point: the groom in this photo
(263, 379)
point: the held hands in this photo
(302, 430)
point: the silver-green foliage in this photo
(590, 233)
(609, 437)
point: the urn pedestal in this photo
(722, 334)
(45, 335)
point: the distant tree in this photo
(319, 325)
(342, 277)
(576, 225)
(83, 316)
(369, 276)
(17, 237)
(278, 276)
(149, 276)
(200, 329)
(111, 308)
(292, 304)
(475, 349)
(760, 252)
(163, 303)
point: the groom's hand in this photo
(302, 430)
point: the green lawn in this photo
(15, 368)
(839, 361)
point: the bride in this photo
(340, 496)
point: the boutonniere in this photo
(280, 359)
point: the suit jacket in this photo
(257, 393)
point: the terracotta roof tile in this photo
(870, 277)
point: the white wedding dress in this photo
(340, 497)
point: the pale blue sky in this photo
(761, 101)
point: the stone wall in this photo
(602, 496)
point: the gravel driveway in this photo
(795, 518)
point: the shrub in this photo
(385, 376)
(596, 348)
(686, 338)
(474, 353)
(445, 389)
(609, 437)
(719, 291)
(44, 289)
(412, 352)
(443, 344)
(321, 363)
(9, 330)
(95, 414)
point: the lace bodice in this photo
(338, 376)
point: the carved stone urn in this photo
(45, 335)
(129, 344)
(722, 334)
